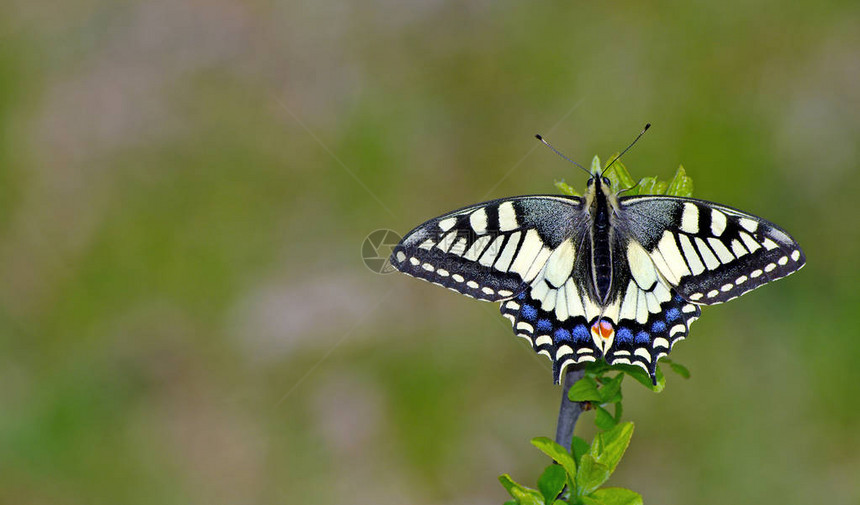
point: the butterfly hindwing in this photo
(491, 250)
(709, 253)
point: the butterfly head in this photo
(596, 181)
(599, 188)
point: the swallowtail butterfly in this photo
(599, 276)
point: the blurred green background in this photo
(185, 186)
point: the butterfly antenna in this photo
(628, 148)
(556, 151)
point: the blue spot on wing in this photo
(580, 333)
(643, 338)
(658, 327)
(544, 325)
(672, 314)
(528, 312)
(562, 335)
(624, 336)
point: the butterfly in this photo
(602, 276)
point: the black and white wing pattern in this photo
(709, 253)
(491, 250)
(537, 256)
(523, 252)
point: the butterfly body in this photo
(599, 276)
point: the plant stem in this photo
(569, 411)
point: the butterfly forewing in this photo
(709, 253)
(491, 250)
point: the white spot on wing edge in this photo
(401, 257)
(718, 222)
(447, 223)
(507, 217)
(478, 220)
(522, 325)
(543, 340)
(769, 244)
(690, 218)
(748, 224)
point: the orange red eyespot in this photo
(603, 329)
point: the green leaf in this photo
(613, 496)
(590, 474)
(660, 187)
(511, 502)
(619, 177)
(584, 390)
(642, 377)
(646, 185)
(578, 447)
(558, 453)
(604, 420)
(595, 165)
(608, 447)
(680, 185)
(522, 494)
(611, 390)
(596, 368)
(678, 368)
(551, 482)
(559, 502)
(618, 411)
(565, 188)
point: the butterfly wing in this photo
(529, 253)
(489, 251)
(708, 253)
(648, 313)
